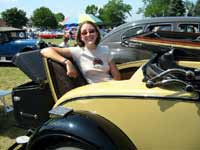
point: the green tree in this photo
(92, 9)
(176, 8)
(44, 18)
(154, 8)
(114, 12)
(59, 17)
(14, 17)
(189, 6)
(196, 11)
(157, 8)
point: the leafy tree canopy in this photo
(44, 18)
(59, 17)
(91, 9)
(113, 13)
(196, 11)
(176, 8)
(189, 8)
(14, 17)
(157, 8)
(154, 8)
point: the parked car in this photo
(13, 41)
(122, 54)
(154, 107)
(47, 35)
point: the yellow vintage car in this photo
(154, 107)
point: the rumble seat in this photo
(58, 81)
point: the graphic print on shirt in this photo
(97, 62)
(94, 70)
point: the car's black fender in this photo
(27, 49)
(83, 127)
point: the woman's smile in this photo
(88, 34)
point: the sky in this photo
(67, 7)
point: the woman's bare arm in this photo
(114, 71)
(56, 53)
(59, 55)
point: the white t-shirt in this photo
(93, 65)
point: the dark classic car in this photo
(14, 40)
(154, 107)
(122, 54)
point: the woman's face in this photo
(88, 34)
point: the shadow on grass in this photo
(8, 130)
(8, 127)
(7, 65)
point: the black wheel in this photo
(70, 146)
(60, 143)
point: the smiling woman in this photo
(85, 54)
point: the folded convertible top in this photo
(31, 64)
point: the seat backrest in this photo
(58, 80)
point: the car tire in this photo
(67, 148)
(70, 146)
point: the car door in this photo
(133, 54)
(4, 45)
(120, 53)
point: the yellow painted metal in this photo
(191, 64)
(154, 119)
(132, 87)
(151, 124)
(131, 64)
(49, 79)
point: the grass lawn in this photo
(58, 41)
(11, 77)
(54, 41)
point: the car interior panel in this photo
(59, 82)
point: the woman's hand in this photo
(114, 71)
(71, 71)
